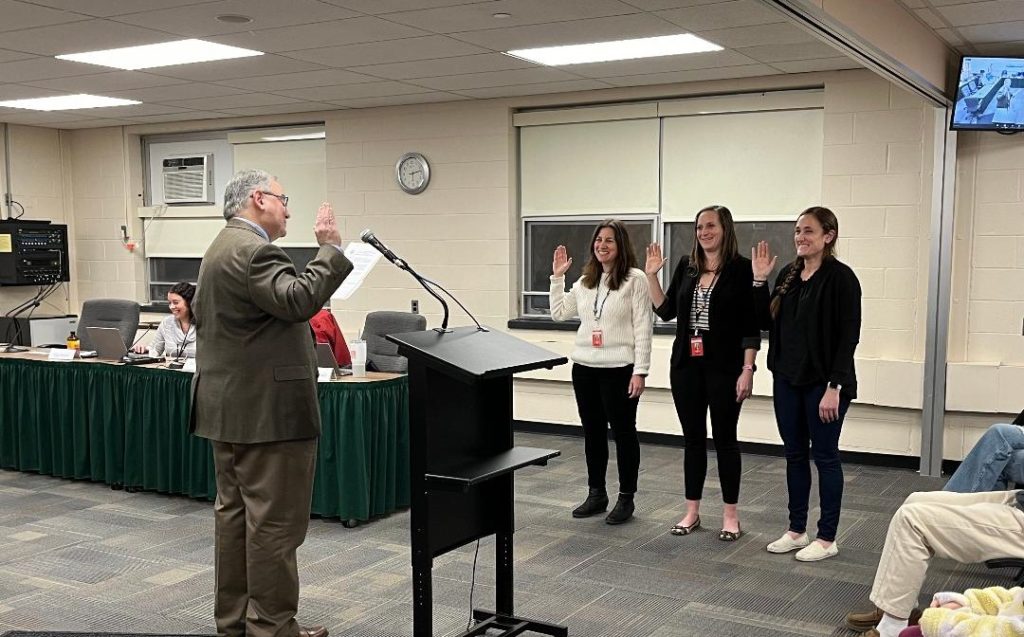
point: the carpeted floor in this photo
(80, 557)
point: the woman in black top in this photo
(813, 315)
(712, 356)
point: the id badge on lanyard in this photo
(597, 337)
(696, 346)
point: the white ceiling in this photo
(331, 54)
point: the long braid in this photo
(780, 291)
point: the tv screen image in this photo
(990, 94)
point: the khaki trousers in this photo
(264, 494)
(966, 527)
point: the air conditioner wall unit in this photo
(188, 179)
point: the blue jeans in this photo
(990, 464)
(805, 436)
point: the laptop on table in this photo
(109, 346)
(325, 358)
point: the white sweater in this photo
(626, 321)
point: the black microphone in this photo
(367, 236)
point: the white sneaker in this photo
(815, 551)
(785, 544)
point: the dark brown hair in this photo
(187, 292)
(827, 219)
(625, 258)
(729, 249)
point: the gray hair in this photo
(236, 193)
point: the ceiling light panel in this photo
(617, 50)
(67, 102)
(150, 56)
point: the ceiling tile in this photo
(378, 7)
(445, 66)
(321, 34)
(115, 81)
(180, 117)
(931, 18)
(20, 92)
(723, 15)
(95, 123)
(108, 8)
(478, 16)
(11, 56)
(42, 68)
(177, 92)
(666, 64)
(397, 100)
(951, 36)
(789, 52)
(1003, 32)
(534, 89)
(1001, 48)
(697, 75)
(232, 69)
(808, 66)
(288, 81)
(233, 101)
(23, 15)
(658, 5)
(353, 91)
(497, 78)
(36, 118)
(78, 37)
(199, 20)
(425, 48)
(983, 12)
(779, 33)
(913, 4)
(637, 25)
(281, 109)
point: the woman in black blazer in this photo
(712, 356)
(813, 314)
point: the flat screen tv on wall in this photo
(990, 94)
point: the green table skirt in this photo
(126, 425)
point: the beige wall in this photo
(463, 231)
(40, 181)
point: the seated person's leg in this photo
(983, 468)
(969, 528)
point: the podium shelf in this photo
(461, 478)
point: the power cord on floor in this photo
(472, 586)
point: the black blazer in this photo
(730, 316)
(833, 314)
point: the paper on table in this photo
(363, 258)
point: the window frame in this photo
(654, 219)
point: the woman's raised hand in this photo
(762, 261)
(654, 260)
(561, 262)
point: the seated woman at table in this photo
(176, 335)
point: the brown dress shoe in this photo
(866, 622)
(313, 631)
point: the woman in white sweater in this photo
(611, 357)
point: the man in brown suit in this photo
(254, 396)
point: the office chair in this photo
(382, 352)
(118, 313)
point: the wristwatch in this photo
(835, 386)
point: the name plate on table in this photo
(62, 355)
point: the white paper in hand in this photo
(363, 258)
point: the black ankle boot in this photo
(622, 511)
(596, 502)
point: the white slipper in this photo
(814, 552)
(785, 544)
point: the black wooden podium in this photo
(462, 459)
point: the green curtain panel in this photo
(128, 425)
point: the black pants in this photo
(696, 389)
(804, 436)
(602, 397)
